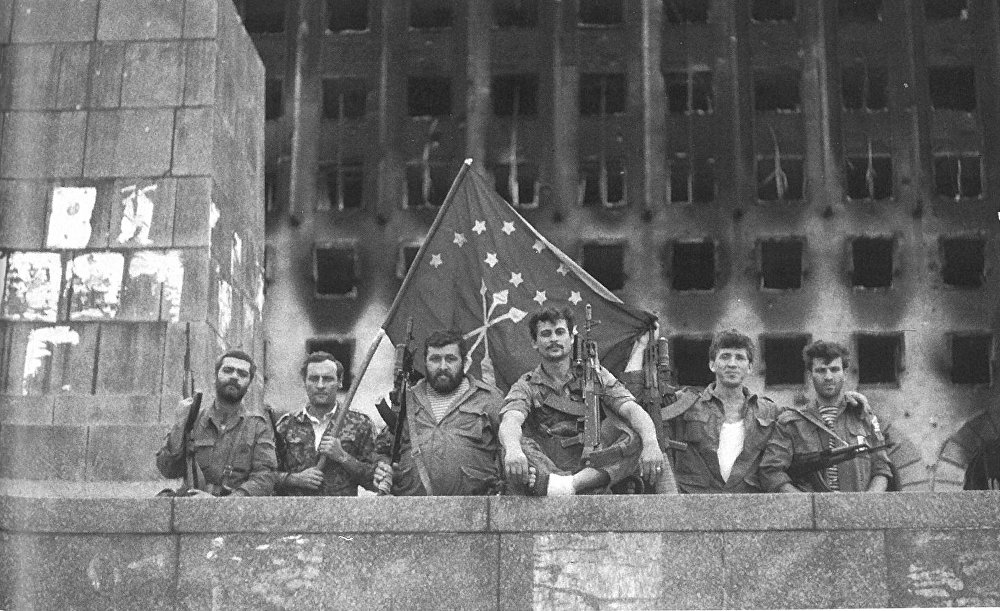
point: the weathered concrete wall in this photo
(131, 224)
(770, 551)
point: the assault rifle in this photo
(809, 465)
(402, 370)
(192, 473)
(656, 372)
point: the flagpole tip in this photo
(468, 161)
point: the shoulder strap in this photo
(822, 425)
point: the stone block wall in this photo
(131, 224)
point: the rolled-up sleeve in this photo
(777, 458)
(264, 462)
(614, 395)
(518, 399)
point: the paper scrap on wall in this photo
(31, 291)
(137, 214)
(159, 273)
(225, 307)
(236, 257)
(95, 282)
(39, 352)
(69, 217)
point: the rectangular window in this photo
(603, 183)
(518, 189)
(782, 356)
(937, 10)
(341, 348)
(601, 12)
(872, 262)
(263, 16)
(692, 182)
(515, 94)
(344, 98)
(430, 14)
(773, 10)
(606, 263)
(685, 11)
(407, 253)
(690, 359)
(880, 358)
(347, 15)
(859, 11)
(776, 89)
(952, 87)
(779, 178)
(869, 177)
(334, 270)
(342, 185)
(693, 266)
(970, 358)
(428, 96)
(602, 94)
(863, 87)
(964, 261)
(426, 186)
(958, 176)
(781, 263)
(273, 107)
(515, 13)
(689, 91)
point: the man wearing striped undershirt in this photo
(834, 418)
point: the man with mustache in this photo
(449, 444)
(304, 438)
(834, 418)
(233, 445)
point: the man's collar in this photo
(303, 414)
(841, 404)
(540, 376)
(712, 391)
(236, 416)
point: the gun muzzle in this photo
(662, 354)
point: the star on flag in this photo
(539, 297)
(436, 261)
(516, 279)
(539, 246)
(508, 227)
(574, 297)
(460, 239)
(491, 259)
(479, 227)
(562, 269)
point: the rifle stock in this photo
(191, 470)
(402, 370)
(812, 462)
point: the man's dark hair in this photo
(730, 339)
(826, 352)
(446, 337)
(236, 354)
(321, 357)
(552, 316)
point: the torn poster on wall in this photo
(137, 215)
(95, 282)
(31, 291)
(236, 256)
(69, 217)
(225, 307)
(153, 274)
(38, 354)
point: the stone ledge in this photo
(908, 510)
(22, 514)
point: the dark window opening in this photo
(779, 178)
(601, 12)
(341, 349)
(343, 185)
(515, 13)
(958, 176)
(603, 186)
(781, 264)
(343, 15)
(334, 270)
(407, 253)
(952, 87)
(869, 177)
(602, 94)
(693, 266)
(427, 14)
(964, 262)
(879, 358)
(343, 98)
(606, 263)
(517, 188)
(690, 360)
(970, 359)
(263, 16)
(428, 96)
(693, 183)
(426, 186)
(783, 359)
(686, 11)
(863, 87)
(515, 94)
(872, 260)
(936, 10)
(273, 107)
(689, 91)
(776, 90)
(773, 10)
(860, 10)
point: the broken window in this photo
(964, 261)
(690, 361)
(970, 358)
(428, 96)
(344, 15)
(603, 182)
(869, 177)
(781, 263)
(782, 356)
(952, 87)
(334, 270)
(31, 290)
(773, 10)
(429, 14)
(779, 178)
(693, 266)
(263, 16)
(341, 185)
(863, 87)
(686, 11)
(515, 13)
(958, 176)
(94, 285)
(273, 107)
(517, 187)
(689, 91)
(859, 10)
(872, 262)
(515, 95)
(426, 184)
(70, 214)
(601, 12)
(344, 98)
(880, 358)
(153, 287)
(341, 348)
(606, 263)
(691, 181)
(936, 10)
(407, 253)
(602, 94)
(776, 89)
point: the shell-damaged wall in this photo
(794, 169)
(131, 224)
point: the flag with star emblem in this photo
(483, 269)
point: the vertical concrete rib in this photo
(477, 77)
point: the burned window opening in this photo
(606, 263)
(603, 183)
(780, 178)
(426, 186)
(430, 14)
(407, 253)
(602, 94)
(344, 98)
(515, 13)
(863, 87)
(428, 96)
(689, 92)
(872, 262)
(773, 10)
(938, 10)
(859, 11)
(334, 271)
(347, 15)
(692, 182)
(341, 348)
(952, 87)
(781, 263)
(273, 99)
(263, 16)
(776, 90)
(970, 358)
(782, 357)
(686, 11)
(869, 178)
(693, 266)
(880, 358)
(601, 12)
(342, 186)
(515, 95)
(964, 261)
(517, 188)
(958, 176)
(690, 360)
